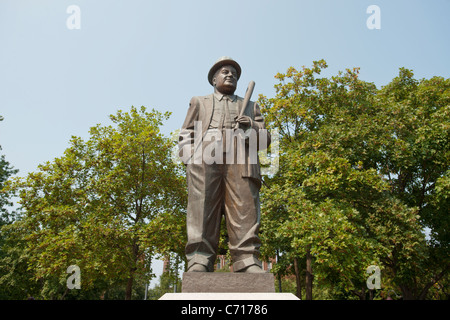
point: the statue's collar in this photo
(219, 96)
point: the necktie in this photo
(226, 123)
(227, 114)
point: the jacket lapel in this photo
(209, 107)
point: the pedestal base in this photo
(217, 282)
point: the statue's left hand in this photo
(244, 120)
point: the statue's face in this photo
(225, 80)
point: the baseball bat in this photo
(248, 95)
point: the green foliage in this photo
(108, 205)
(6, 171)
(165, 285)
(10, 253)
(362, 173)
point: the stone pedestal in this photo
(228, 286)
(229, 296)
(231, 282)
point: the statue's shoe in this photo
(253, 269)
(197, 268)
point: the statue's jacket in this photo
(200, 113)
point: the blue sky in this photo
(57, 82)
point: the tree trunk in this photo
(297, 278)
(360, 294)
(64, 294)
(437, 278)
(280, 289)
(129, 288)
(309, 274)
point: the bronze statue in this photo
(219, 141)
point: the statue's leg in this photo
(204, 212)
(242, 211)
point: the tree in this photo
(108, 205)
(338, 200)
(12, 266)
(416, 162)
(6, 171)
(165, 285)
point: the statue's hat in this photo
(223, 61)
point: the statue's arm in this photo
(186, 137)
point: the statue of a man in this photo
(222, 180)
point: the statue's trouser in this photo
(213, 190)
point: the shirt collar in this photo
(219, 96)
